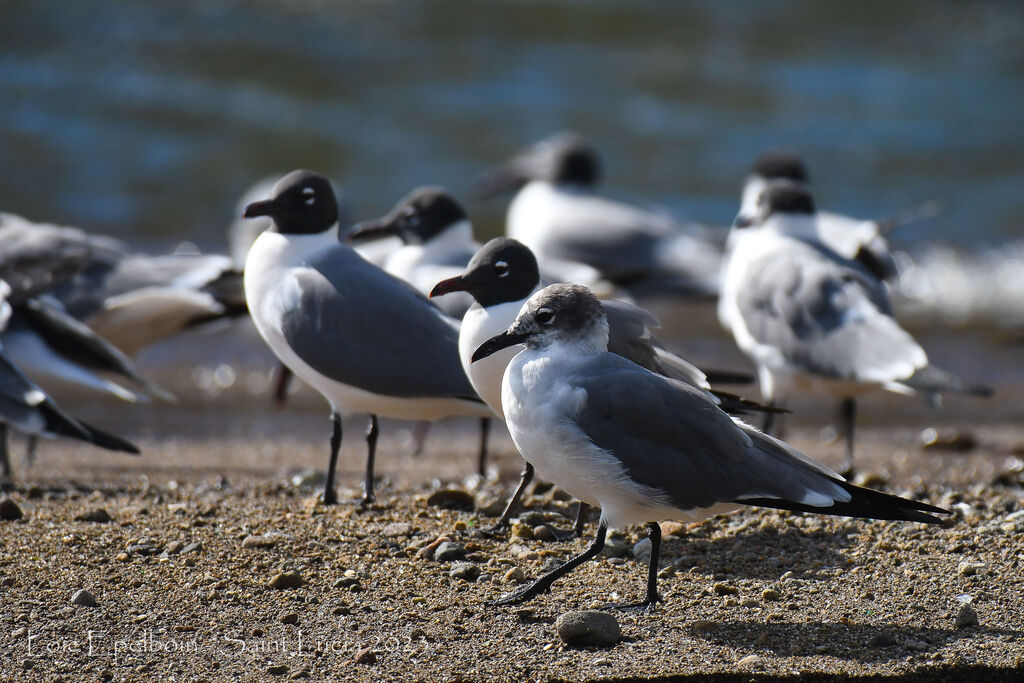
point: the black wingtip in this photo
(109, 441)
(864, 503)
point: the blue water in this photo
(147, 120)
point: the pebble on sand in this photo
(97, 516)
(10, 511)
(970, 568)
(642, 550)
(396, 529)
(258, 542)
(83, 598)
(588, 628)
(750, 662)
(286, 580)
(725, 589)
(366, 656)
(449, 551)
(277, 669)
(453, 499)
(467, 571)
(967, 616)
(290, 618)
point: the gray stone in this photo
(453, 499)
(467, 571)
(192, 548)
(277, 669)
(449, 551)
(395, 529)
(616, 547)
(588, 628)
(286, 580)
(83, 598)
(642, 550)
(258, 542)
(967, 616)
(97, 516)
(174, 547)
(10, 511)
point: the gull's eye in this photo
(545, 316)
(410, 216)
(310, 194)
(501, 269)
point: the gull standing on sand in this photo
(559, 214)
(813, 321)
(501, 276)
(644, 447)
(364, 339)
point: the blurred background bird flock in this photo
(218, 216)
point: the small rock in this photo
(588, 628)
(19, 632)
(970, 568)
(725, 589)
(309, 479)
(298, 675)
(396, 529)
(290, 618)
(122, 557)
(515, 575)
(881, 640)
(28, 664)
(750, 662)
(449, 551)
(967, 616)
(10, 511)
(673, 529)
(192, 548)
(83, 598)
(98, 516)
(174, 547)
(642, 550)
(366, 656)
(521, 531)
(258, 542)
(286, 580)
(948, 440)
(542, 532)
(277, 669)
(616, 547)
(467, 571)
(453, 499)
(770, 595)
(871, 480)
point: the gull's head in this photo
(501, 271)
(782, 207)
(302, 203)
(563, 159)
(772, 166)
(417, 218)
(565, 314)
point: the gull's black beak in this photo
(261, 208)
(743, 222)
(379, 227)
(495, 344)
(453, 284)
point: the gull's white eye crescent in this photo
(501, 268)
(310, 194)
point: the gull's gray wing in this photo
(629, 335)
(826, 316)
(35, 257)
(671, 437)
(356, 324)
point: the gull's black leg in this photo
(281, 378)
(5, 458)
(481, 464)
(513, 502)
(330, 497)
(372, 431)
(652, 597)
(31, 449)
(848, 417)
(543, 584)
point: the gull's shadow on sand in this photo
(763, 553)
(851, 641)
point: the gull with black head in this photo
(559, 213)
(813, 321)
(368, 342)
(644, 447)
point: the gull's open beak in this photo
(452, 284)
(261, 208)
(495, 344)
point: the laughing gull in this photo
(27, 409)
(501, 276)
(814, 321)
(852, 238)
(559, 214)
(364, 339)
(644, 447)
